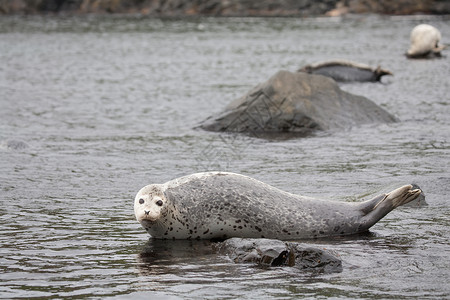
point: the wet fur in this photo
(222, 205)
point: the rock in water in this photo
(275, 253)
(296, 104)
(346, 71)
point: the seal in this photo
(221, 205)
(346, 71)
(18, 145)
(425, 42)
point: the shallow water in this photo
(107, 104)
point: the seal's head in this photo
(379, 72)
(150, 204)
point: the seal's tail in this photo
(400, 196)
(380, 206)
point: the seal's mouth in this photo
(147, 222)
(147, 218)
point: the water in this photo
(107, 105)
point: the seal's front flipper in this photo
(386, 204)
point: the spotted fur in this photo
(218, 205)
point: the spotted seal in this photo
(220, 205)
(346, 71)
(425, 42)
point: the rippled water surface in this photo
(94, 108)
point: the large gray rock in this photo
(296, 103)
(274, 253)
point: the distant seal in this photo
(13, 145)
(218, 205)
(346, 71)
(424, 42)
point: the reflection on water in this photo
(159, 252)
(93, 108)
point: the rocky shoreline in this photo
(226, 8)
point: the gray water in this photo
(92, 108)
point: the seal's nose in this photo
(147, 212)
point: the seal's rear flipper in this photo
(383, 204)
(399, 197)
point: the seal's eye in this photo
(159, 203)
(141, 201)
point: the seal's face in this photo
(149, 204)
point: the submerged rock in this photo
(274, 253)
(346, 71)
(296, 104)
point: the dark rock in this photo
(296, 104)
(241, 8)
(404, 7)
(170, 8)
(275, 253)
